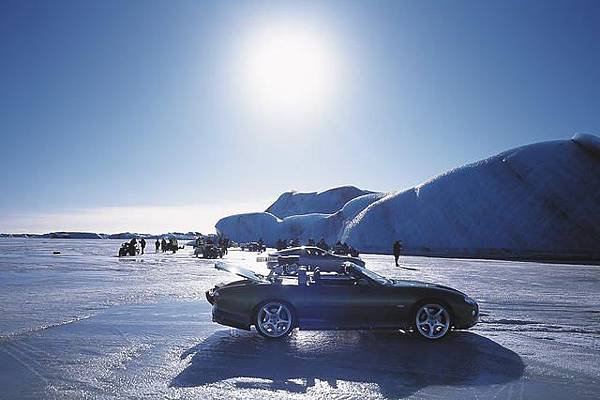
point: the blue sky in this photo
(131, 115)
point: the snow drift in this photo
(536, 201)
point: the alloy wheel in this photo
(274, 320)
(432, 321)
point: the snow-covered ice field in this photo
(86, 324)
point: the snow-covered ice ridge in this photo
(536, 201)
(326, 202)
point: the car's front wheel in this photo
(432, 321)
(275, 319)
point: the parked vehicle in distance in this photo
(356, 299)
(253, 246)
(310, 257)
(208, 251)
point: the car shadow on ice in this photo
(399, 364)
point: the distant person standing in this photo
(133, 246)
(261, 245)
(397, 251)
(163, 245)
(143, 244)
(156, 245)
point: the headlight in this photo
(470, 301)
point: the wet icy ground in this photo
(85, 324)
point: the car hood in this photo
(242, 282)
(240, 271)
(419, 284)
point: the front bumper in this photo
(468, 317)
(210, 296)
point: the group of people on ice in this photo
(132, 248)
(345, 249)
(163, 245)
(207, 245)
(284, 244)
(136, 247)
(207, 248)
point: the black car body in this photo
(356, 299)
(311, 257)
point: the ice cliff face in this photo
(540, 200)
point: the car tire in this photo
(432, 320)
(275, 319)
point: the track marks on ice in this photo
(531, 326)
(41, 328)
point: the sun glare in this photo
(288, 71)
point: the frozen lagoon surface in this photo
(86, 324)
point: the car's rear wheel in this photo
(275, 319)
(432, 321)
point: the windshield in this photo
(372, 275)
(288, 252)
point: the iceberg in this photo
(326, 202)
(539, 201)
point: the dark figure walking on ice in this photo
(156, 245)
(397, 251)
(143, 244)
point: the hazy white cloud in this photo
(147, 219)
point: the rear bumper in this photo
(228, 319)
(224, 317)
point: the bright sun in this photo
(288, 71)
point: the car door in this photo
(336, 306)
(361, 306)
(364, 305)
(321, 306)
(382, 306)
